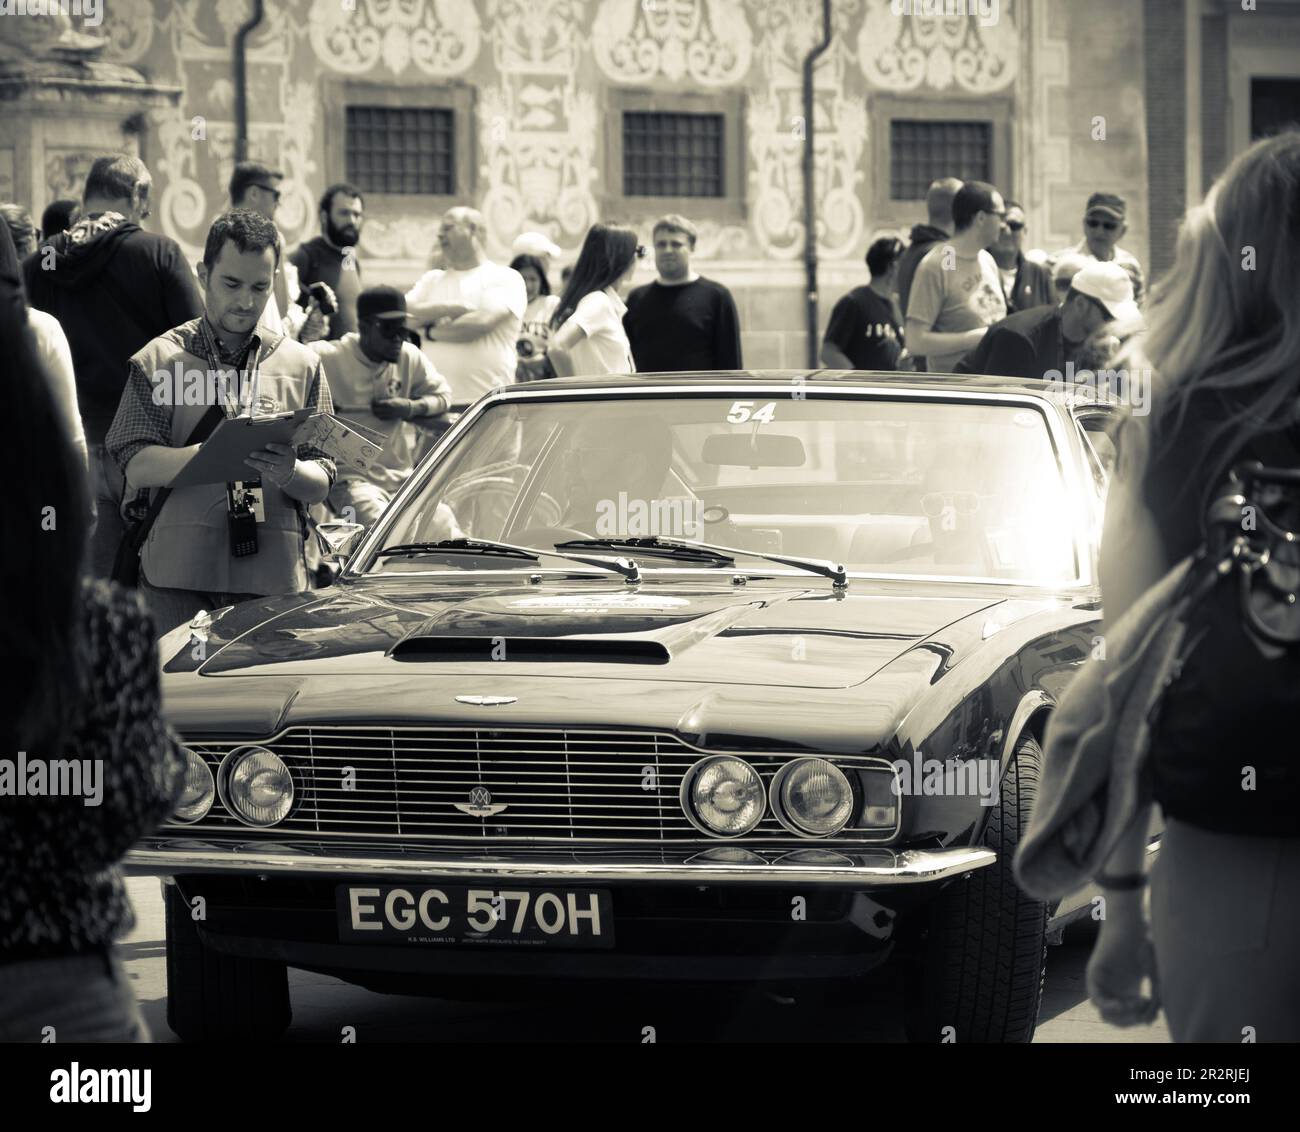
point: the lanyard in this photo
(249, 377)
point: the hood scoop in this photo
(567, 636)
(523, 650)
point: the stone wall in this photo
(540, 77)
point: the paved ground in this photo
(322, 1007)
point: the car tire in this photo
(213, 997)
(983, 962)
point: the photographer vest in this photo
(189, 546)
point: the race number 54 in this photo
(742, 411)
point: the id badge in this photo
(251, 494)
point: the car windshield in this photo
(954, 488)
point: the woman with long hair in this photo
(587, 326)
(86, 764)
(1224, 341)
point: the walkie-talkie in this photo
(241, 519)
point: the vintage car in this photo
(694, 678)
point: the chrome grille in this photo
(556, 785)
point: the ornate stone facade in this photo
(539, 76)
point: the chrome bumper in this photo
(860, 868)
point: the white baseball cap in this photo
(534, 243)
(1111, 286)
(1069, 265)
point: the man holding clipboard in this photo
(215, 541)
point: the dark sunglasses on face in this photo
(275, 193)
(1062, 284)
(1016, 225)
(1109, 225)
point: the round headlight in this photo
(724, 795)
(198, 791)
(256, 786)
(814, 796)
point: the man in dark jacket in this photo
(1024, 283)
(331, 258)
(113, 287)
(1044, 341)
(938, 207)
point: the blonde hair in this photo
(1226, 317)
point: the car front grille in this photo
(555, 785)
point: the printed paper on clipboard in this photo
(220, 458)
(345, 443)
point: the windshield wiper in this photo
(652, 544)
(827, 569)
(630, 571)
(452, 545)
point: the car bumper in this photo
(858, 869)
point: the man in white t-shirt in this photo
(471, 311)
(957, 292)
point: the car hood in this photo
(801, 636)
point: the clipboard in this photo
(220, 458)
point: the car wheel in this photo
(217, 997)
(984, 959)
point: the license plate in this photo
(452, 914)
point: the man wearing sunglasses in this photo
(1104, 223)
(1024, 283)
(957, 293)
(257, 186)
(380, 379)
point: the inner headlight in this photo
(198, 792)
(256, 786)
(724, 795)
(813, 796)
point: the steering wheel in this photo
(535, 535)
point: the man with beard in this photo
(681, 321)
(380, 380)
(331, 258)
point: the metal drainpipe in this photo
(809, 206)
(241, 80)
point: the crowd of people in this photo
(964, 296)
(100, 307)
(112, 305)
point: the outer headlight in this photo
(199, 791)
(256, 786)
(813, 796)
(724, 795)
